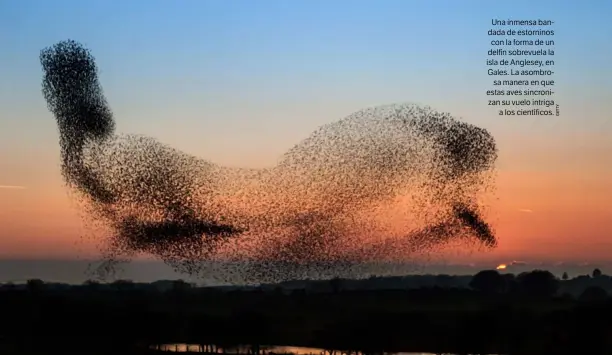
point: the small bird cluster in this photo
(318, 210)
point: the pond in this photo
(264, 350)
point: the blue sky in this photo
(240, 82)
(245, 67)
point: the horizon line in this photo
(495, 262)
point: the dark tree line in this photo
(537, 283)
(497, 313)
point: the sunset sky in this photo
(240, 82)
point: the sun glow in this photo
(501, 267)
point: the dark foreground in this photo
(509, 318)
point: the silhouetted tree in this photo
(335, 284)
(596, 273)
(488, 281)
(180, 285)
(593, 294)
(123, 285)
(510, 284)
(92, 285)
(251, 327)
(35, 285)
(540, 283)
(178, 293)
(444, 280)
(565, 276)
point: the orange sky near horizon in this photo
(556, 216)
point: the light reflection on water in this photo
(265, 350)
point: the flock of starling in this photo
(324, 208)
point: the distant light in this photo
(501, 267)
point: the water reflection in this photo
(264, 350)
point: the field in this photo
(123, 317)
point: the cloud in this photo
(12, 187)
(526, 210)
